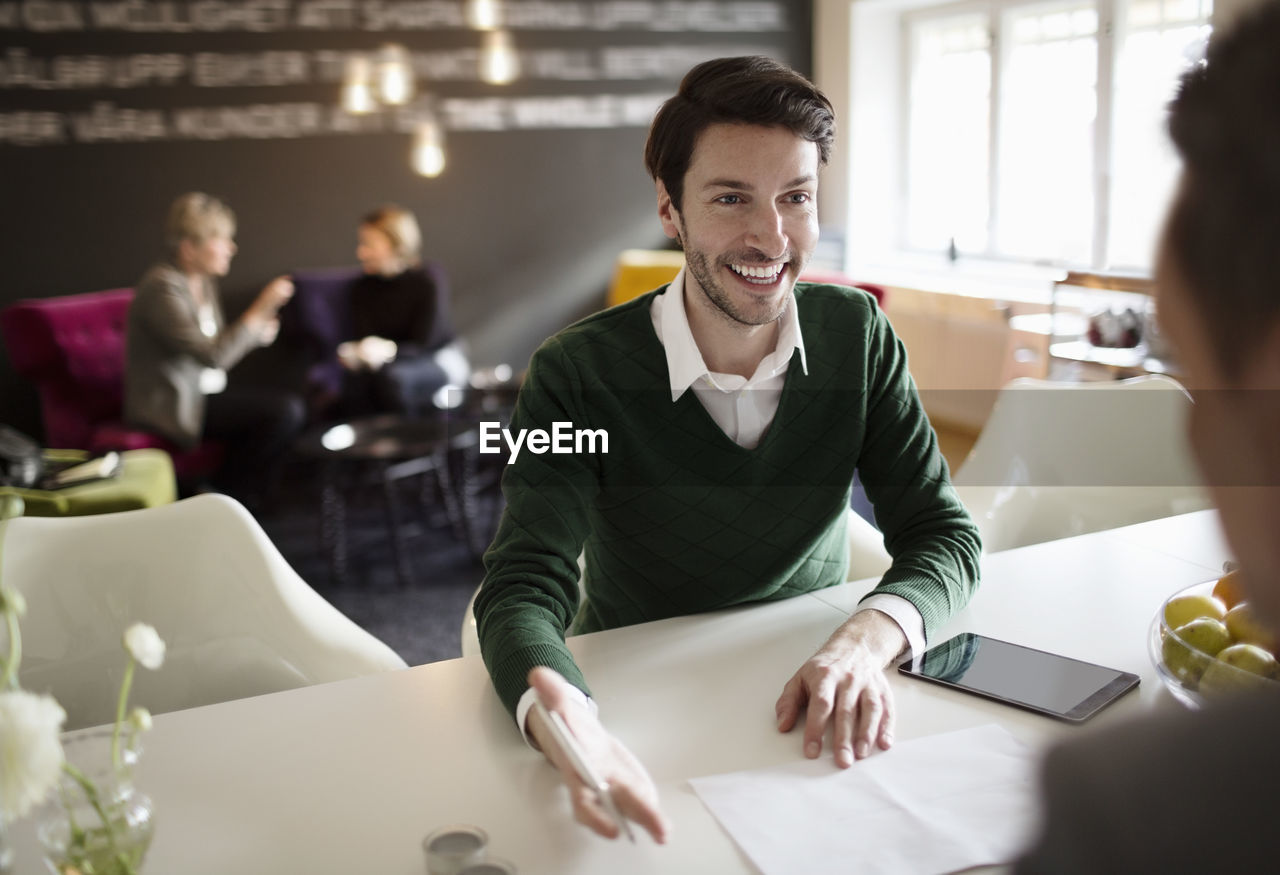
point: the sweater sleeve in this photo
(934, 543)
(530, 591)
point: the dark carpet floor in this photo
(420, 620)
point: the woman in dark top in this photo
(399, 321)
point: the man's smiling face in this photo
(749, 218)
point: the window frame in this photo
(998, 14)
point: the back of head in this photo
(751, 90)
(1222, 231)
(197, 216)
(401, 228)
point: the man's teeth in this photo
(766, 273)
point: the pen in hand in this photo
(568, 743)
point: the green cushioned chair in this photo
(145, 479)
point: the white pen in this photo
(563, 737)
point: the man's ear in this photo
(668, 214)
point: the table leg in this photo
(403, 575)
(333, 523)
(468, 460)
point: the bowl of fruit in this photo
(1206, 642)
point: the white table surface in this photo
(348, 777)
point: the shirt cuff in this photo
(902, 612)
(530, 696)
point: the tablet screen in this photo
(1045, 682)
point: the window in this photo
(1035, 131)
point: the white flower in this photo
(140, 719)
(30, 751)
(144, 645)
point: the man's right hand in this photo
(633, 791)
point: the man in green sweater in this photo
(717, 426)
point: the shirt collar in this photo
(685, 364)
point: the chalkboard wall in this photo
(108, 110)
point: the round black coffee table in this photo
(384, 450)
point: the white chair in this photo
(1058, 459)
(237, 619)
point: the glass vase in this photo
(6, 851)
(102, 823)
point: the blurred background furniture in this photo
(237, 620)
(1058, 459)
(72, 348)
(642, 270)
(145, 479)
(1070, 340)
(318, 318)
(437, 456)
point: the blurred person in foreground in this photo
(401, 348)
(179, 347)
(1196, 791)
(738, 404)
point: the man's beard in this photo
(757, 313)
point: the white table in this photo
(348, 777)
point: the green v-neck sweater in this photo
(676, 518)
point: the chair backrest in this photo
(238, 621)
(1057, 459)
(72, 349)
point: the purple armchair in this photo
(72, 349)
(318, 318)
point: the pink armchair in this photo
(72, 349)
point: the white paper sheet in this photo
(937, 804)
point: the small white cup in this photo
(489, 866)
(452, 848)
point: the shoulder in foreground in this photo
(1251, 721)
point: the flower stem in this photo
(95, 800)
(10, 678)
(121, 704)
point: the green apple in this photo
(1182, 609)
(1205, 634)
(1251, 658)
(1240, 667)
(1246, 628)
(1188, 651)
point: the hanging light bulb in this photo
(357, 95)
(498, 61)
(395, 75)
(428, 147)
(483, 14)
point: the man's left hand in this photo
(844, 684)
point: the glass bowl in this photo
(1192, 675)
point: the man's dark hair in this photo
(1224, 229)
(752, 90)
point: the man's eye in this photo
(799, 197)
(729, 199)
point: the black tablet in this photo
(1022, 676)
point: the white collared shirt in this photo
(744, 409)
